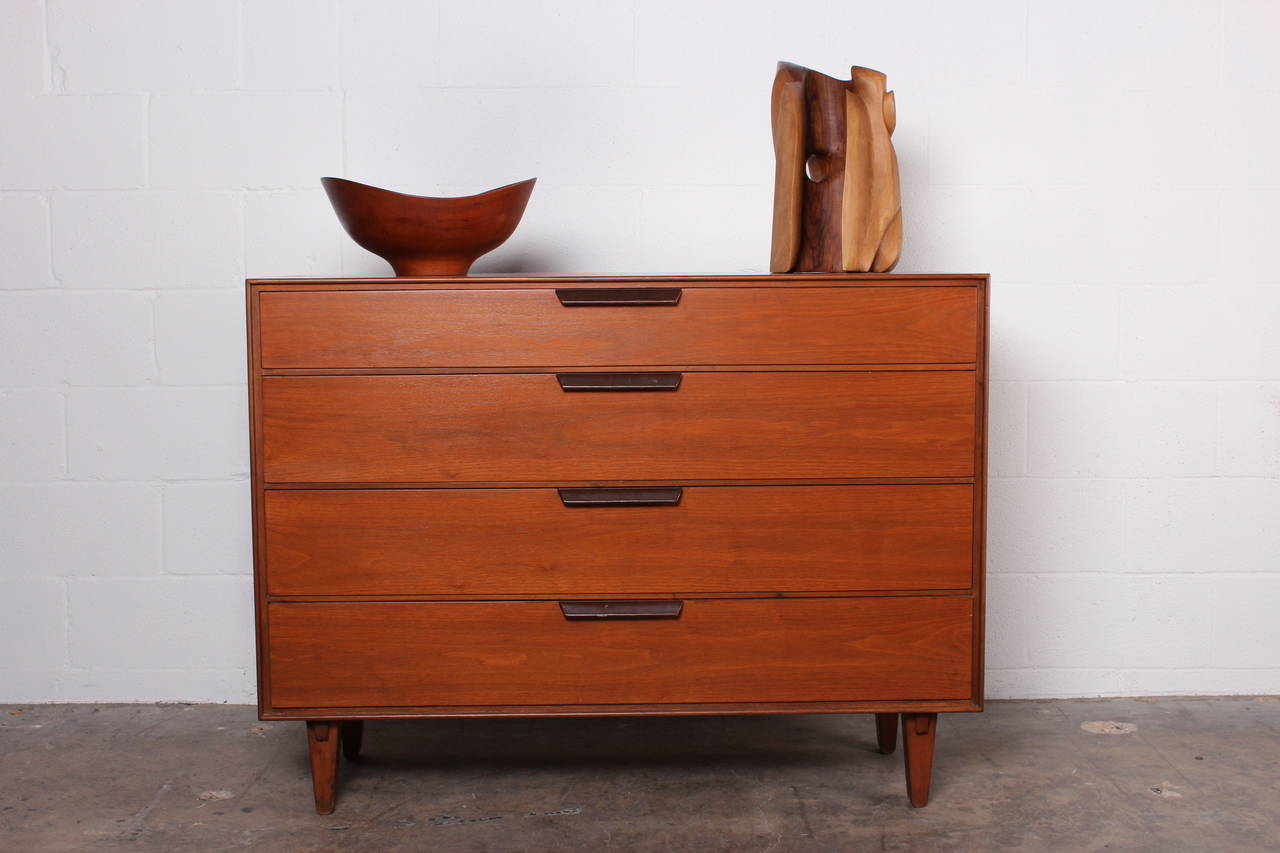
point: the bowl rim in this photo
(327, 181)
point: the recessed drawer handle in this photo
(622, 497)
(619, 381)
(573, 297)
(665, 609)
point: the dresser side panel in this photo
(257, 500)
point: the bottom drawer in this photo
(368, 654)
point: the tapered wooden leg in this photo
(322, 738)
(352, 738)
(918, 732)
(887, 732)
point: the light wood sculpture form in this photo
(836, 202)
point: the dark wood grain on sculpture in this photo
(837, 200)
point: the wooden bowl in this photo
(421, 235)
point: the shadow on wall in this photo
(1010, 601)
(525, 261)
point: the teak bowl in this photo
(421, 235)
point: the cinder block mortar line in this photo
(52, 81)
(1140, 478)
(1154, 669)
(238, 579)
(65, 588)
(164, 524)
(244, 237)
(1120, 380)
(1220, 49)
(1026, 42)
(66, 436)
(1217, 432)
(240, 51)
(282, 188)
(153, 347)
(1197, 573)
(238, 287)
(67, 483)
(142, 386)
(146, 141)
(1026, 430)
(635, 43)
(342, 133)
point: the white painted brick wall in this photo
(83, 143)
(36, 614)
(574, 36)
(243, 140)
(389, 43)
(157, 434)
(33, 442)
(82, 529)
(160, 623)
(1111, 163)
(24, 222)
(204, 528)
(312, 244)
(113, 47)
(55, 336)
(200, 338)
(98, 235)
(24, 66)
(1249, 430)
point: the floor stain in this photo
(1166, 790)
(1108, 727)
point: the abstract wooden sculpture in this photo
(836, 202)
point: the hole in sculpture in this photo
(816, 168)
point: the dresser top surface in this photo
(725, 280)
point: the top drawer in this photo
(730, 326)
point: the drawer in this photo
(525, 428)
(528, 542)
(531, 328)
(351, 655)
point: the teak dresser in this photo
(586, 496)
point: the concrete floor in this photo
(1196, 775)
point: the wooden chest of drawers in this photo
(589, 496)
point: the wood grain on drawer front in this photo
(524, 428)
(530, 328)
(527, 542)
(720, 650)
